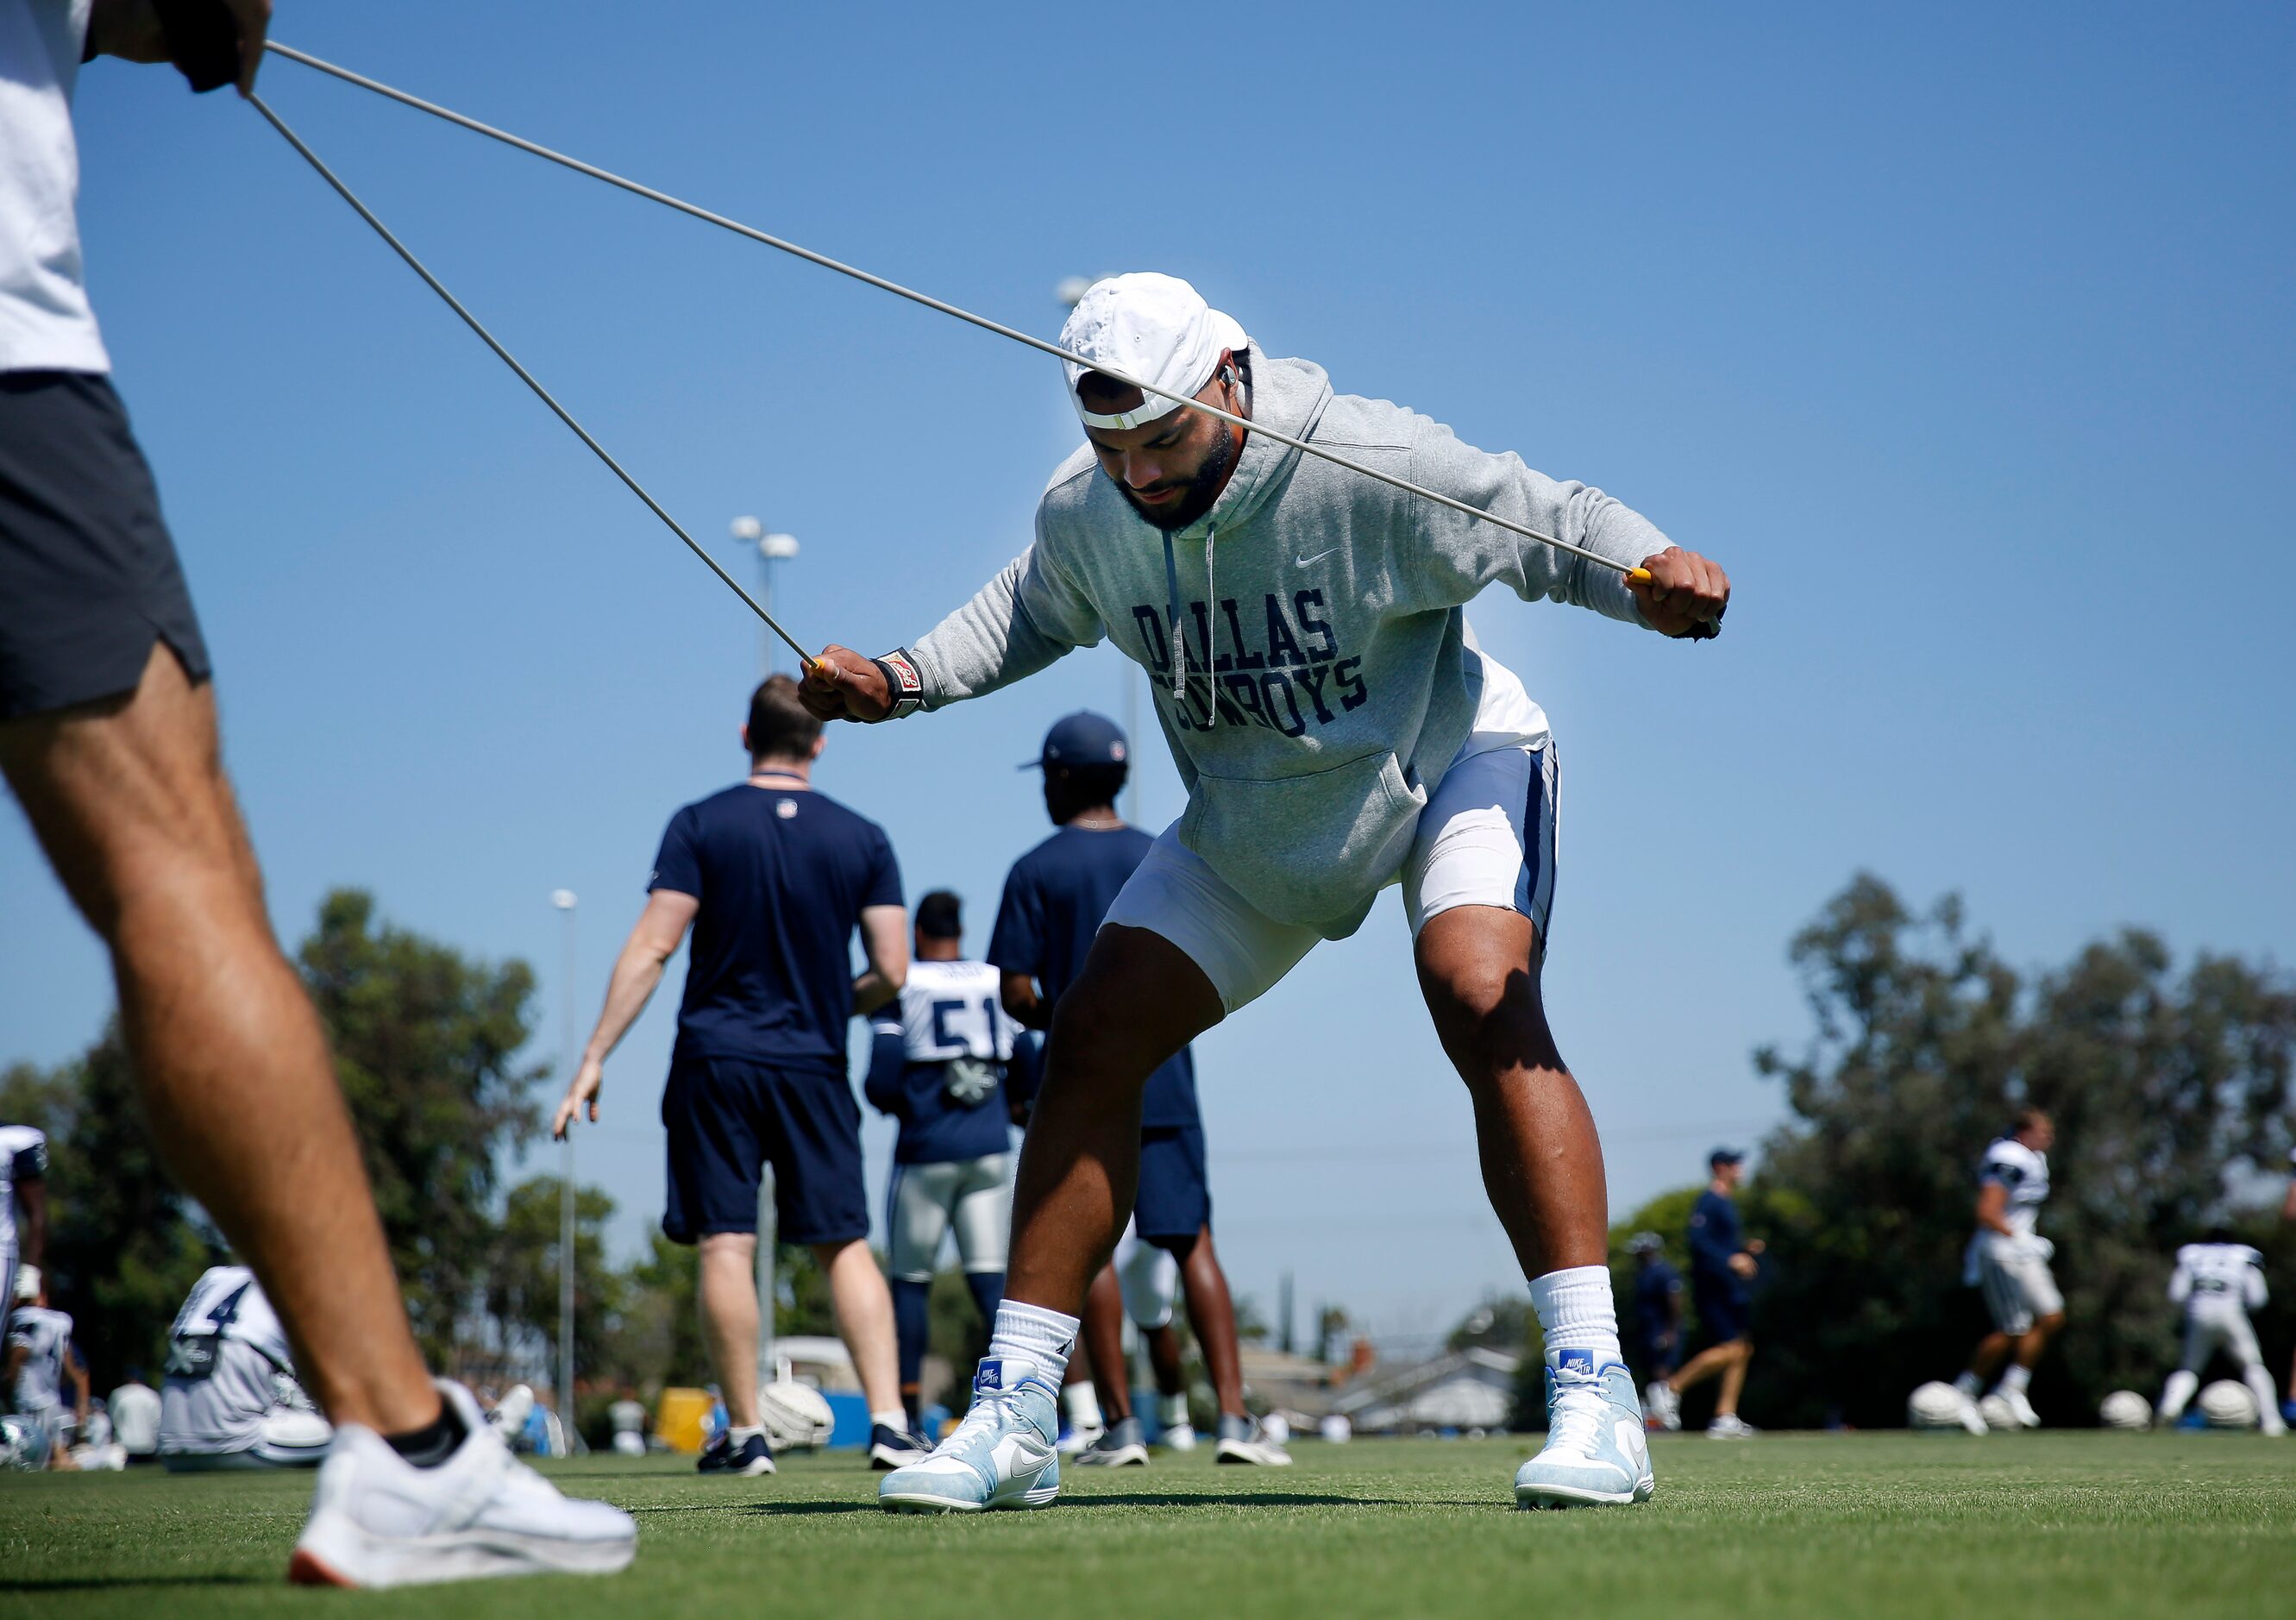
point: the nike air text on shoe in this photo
(893, 1448)
(1243, 1440)
(377, 1520)
(744, 1459)
(1595, 1451)
(1001, 1456)
(1120, 1447)
(1664, 1405)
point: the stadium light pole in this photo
(1068, 293)
(772, 548)
(564, 901)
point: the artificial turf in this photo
(2092, 1525)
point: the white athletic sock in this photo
(894, 1417)
(2181, 1386)
(1575, 1312)
(1969, 1384)
(1175, 1411)
(2016, 1380)
(738, 1435)
(1081, 1401)
(1032, 1334)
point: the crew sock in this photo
(2016, 1380)
(1174, 1411)
(1032, 1334)
(435, 1441)
(1081, 1401)
(1574, 1311)
(892, 1418)
(738, 1435)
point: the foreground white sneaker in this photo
(1243, 1440)
(1001, 1456)
(1596, 1453)
(1730, 1426)
(377, 1520)
(1664, 1405)
(2019, 1408)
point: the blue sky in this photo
(1963, 338)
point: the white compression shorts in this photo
(968, 1196)
(1150, 1279)
(2016, 1283)
(1488, 837)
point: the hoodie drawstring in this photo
(1179, 635)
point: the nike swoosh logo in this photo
(1319, 557)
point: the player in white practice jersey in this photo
(24, 1207)
(938, 1066)
(2219, 1283)
(40, 1362)
(2008, 1260)
(231, 1398)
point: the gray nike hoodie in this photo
(1305, 639)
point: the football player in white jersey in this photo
(2009, 1262)
(938, 1066)
(40, 1362)
(231, 1398)
(23, 1208)
(2219, 1283)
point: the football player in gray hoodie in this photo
(1338, 730)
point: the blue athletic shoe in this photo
(1001, 1456)
(1596, 1452)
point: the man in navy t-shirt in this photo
(1657, 1311)
(1722, 1262)
(774, 879)
(1056, 898)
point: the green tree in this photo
(426, 1043)
(522, 1274)
(656, 1342)
(123, 1244)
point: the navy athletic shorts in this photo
(727, 1119)
(1176, 1190)
(88, 577)
(1724, 1312)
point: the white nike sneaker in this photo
(1001, 1456)
(511, 1411)
(1730, 1426)
(2019, 1407)
(1971, 1419)
(377, 1520)
(1664, 1405)
(1077, 1439)
(1243, 1440)
(1178, 1437)
(1596, 1452)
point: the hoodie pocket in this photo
(1310, 849)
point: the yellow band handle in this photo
(1638, 576)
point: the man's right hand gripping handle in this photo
(841, 684)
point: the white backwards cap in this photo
(1156, 328)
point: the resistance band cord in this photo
(536, 149)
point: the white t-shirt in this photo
(2217, 1280)
(950, 1010)
(134, 1410)
(2024, 1175)
(45, 323)
(228, 1367)
(45, 1335)
(23, 1157)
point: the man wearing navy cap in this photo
(1722, 1262)
(1056, 898)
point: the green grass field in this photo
(1876, 1525)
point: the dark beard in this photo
(1202, 490)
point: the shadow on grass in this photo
(106, 1583)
